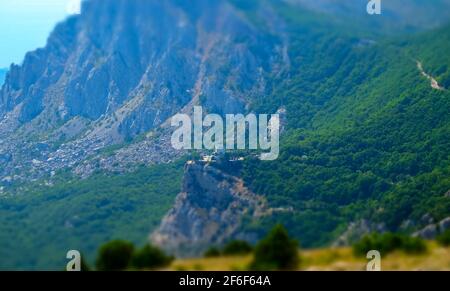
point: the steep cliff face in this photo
(121, 69)
(2, 76)
(208, 211)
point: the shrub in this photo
(364, 245)
(84, 265)
(150, 257)
(212, 252)
(114, 256)
(444, 238)
(414, 245)
(387, 243)
(276, 252)
(237, 247)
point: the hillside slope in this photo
(116, 73)
(366, 137)
(43, 221)
(376, 148)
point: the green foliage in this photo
(414, 245)
(237, 247)
(389, 242)
(121, 255)
(277, 251)
(84, 265)
(367, 136)
(444, 238)
(234, 247)
(212, 252)
(40, 223)
(114, 256)
(150, 257)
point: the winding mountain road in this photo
(434, 83)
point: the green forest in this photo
(366, 138)
(52, 220)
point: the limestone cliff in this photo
(208, 211)
(117, 72)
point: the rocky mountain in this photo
(2, 75)
(84, 137)
(119, 71)
(208, 211)
(111, 77)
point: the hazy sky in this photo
(26, 24)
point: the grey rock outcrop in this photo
(447, 194)
(208, 211)
(356, 230)
(428, 232)
(432, 230)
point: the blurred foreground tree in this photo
(237, 247)
(389, 242)
(114, 256)
(150, 257)
(444, 238)
(212, 252)
(277, 251)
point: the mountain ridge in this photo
(127, 104)
(366, 136)
(3, 72)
